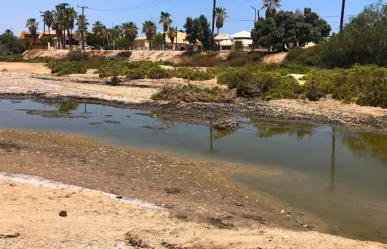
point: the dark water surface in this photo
(341, 177)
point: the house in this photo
(180, 43)
(224, 41)
(42, 39)
(245, 38)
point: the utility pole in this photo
(342, 16)
(213, 16)
(84, 24)
(176, 39)
(255, 13)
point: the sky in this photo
(113, 12)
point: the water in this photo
(339, 176)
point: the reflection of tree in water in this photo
(367, 144)
(266, 132)
(67, 106)
(224, 133)
(271, 128)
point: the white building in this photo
(224, 41)
(245, 38)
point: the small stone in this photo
(119, 197)
(63, 214)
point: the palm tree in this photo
(32, 26)
(82, 28)
(213, 16)
(115, 34)
(149, 29)
(59, 24)
(49, 20)
(342, 16)
(172, 35)
(221, 16)
(70, 16)
(129, 31)
(44, 21)
(99, 29)
(271, 7)
(166, 20)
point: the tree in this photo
(99, 30)
(221, 16)
(172, 35)
(59, 24)
(70, 16)
(10, 44)
(166, 20)
(287, 29)
(199, 29)
(271, 7)
(130, 32)
(82, 28)
(49, 20)
(149, 29)
(157, 41)
(32, 26)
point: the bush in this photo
(77, 55)
(364, 85)
(114, 81)
(192, 93)
(254, 83)
(135, 74)
(305, 56)
(124, 54)
(193, 74)
(158, 73)
(209, 59)
(67, 67)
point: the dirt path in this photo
(96, 221)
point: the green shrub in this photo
(192, 93)
(124, 54)
(193, 74)
(305, 56)
(77, 55)
(158, 73)
(67, 67)
(364, 85)
(135, 74)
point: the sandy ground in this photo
(96, 220)
(275, 58)
(22, 67)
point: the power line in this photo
(129, 8)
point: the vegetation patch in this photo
(192, 93)
(67, 67)
(364, 85)
(193, 74)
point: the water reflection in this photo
(333, 159)
(267, 129)
(67, 106)
(367, 144)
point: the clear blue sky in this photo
(14, 13)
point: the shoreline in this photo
(328, 111)
(97, 221)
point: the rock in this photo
(4, 70)
(226, 124)
(63, 214)
(119, 197)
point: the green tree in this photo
(172, 35)
(130, 32)
(82, 28)
(158, 41)
(221, 16)
(10, 44)
(70, 16)
(32, 26)
(271, 7)
(60, 24)
(287, 29)
(100, 31)
(166, 20)
(199, 29)
(149, 29)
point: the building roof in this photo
(242, 34)
(222, 37)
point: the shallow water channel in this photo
(339, 176)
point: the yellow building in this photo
(180, 43)
(42, 38)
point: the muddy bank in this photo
(96, 221)
(191, 190)
(139, 96)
